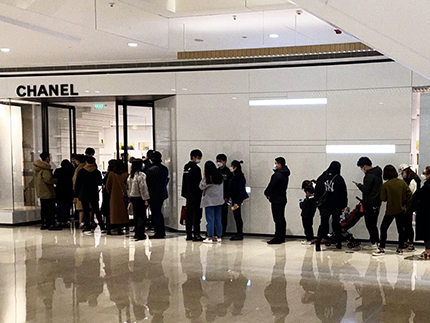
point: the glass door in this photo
(135, 129)
(59, 131)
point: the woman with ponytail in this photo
(237, 194)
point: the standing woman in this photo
(212, 185)
(80, 163)
(157, 180)
(397, 195)
(237, 194)
(139, 196)
(332, 196)
(414, 183)
(422, 198)
(106, 197)
(64, 191)
(117, 189)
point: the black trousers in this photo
(371, 214)
(47, 211)
(139, 212)
(386, 222)
(324, 227)
(308, 223)
(278, 212)
(92, 205)
(224, 216)
(157, 217)
(238, 219)
(407, 226)
(194, 217)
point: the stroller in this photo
(348, 220)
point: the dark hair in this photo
(65, 163)
(334, 168)
(410, 175)
(222, 157)
(90, 151)
(80, 158)
(73, 156)
(91, 160)
(149, 153)
(390, 172)
(136, 167)
(212, 174)
(363, 161)
(111, 164)
(306, 183)
(196, 153)
(238, 165)
(426, 171)
(156, 158)
(309, 189)
(118, 167)
(44, 155)
(281, 161)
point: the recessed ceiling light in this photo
(199, 40)
(97, 91)
(87, 91)
(132, 44)
(273, 35)
(244, 37)
(5, 50)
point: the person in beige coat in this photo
(45, 191)
(80, 163)
(117, 189)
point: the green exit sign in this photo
(99, 106)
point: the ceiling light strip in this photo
(286, 102)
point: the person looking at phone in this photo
(371, 190)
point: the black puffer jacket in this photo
(333, 184)
(276, 191)
(422, 198)
(371, 187)
(190, 182)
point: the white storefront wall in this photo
(366, 104)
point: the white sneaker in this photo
(371, 247)
(380, 252)
(209, 240)
(217, 240)
(306, 242)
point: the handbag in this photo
(183, 215)
(125, 196)
(324, 197)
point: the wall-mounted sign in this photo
(46, 90)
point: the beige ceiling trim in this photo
(275, 51)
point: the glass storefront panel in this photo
(59, 135)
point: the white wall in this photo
(367, 104)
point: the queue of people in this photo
(221, 188)
(77, 184)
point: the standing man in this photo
(193, 194)
(227, 175)
(371, 189)
(87, 191)
(276, 193)
(147, 161)
(44, 183)
(90, 152)
(157, 180)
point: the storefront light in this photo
(361, 149)
(286, 102)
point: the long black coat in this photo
(422, 198)
(64, 186)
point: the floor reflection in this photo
(67, 277)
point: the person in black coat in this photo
(237, 194)
(64, 191)
(147, 161)
(308, 207)
(221, 161)
(422, 200)
(276, 193)
(193, 194)
(331, 196)
(157, 180)
(87, 191)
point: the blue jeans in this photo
(213, 219)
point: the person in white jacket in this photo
(414, 182)
(139, 197)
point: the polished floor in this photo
(68, 277)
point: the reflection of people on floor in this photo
(235, 286)
(159, 293)
(420, 297)
(276, 291)
(370, 292)
(308, 281)
(31, 279)
(330, 294)
(117, 281)
(89, 284)
(192, 288)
